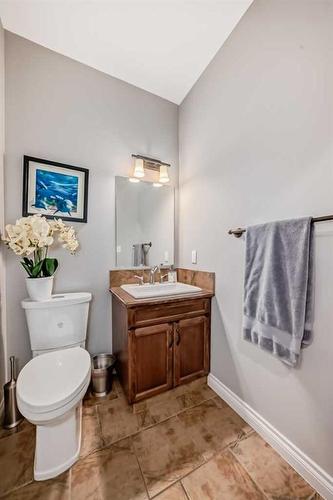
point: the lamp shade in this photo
(138, 168)
(164, 176)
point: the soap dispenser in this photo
(172, 275)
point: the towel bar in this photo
(239, 231)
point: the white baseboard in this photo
(307, 468)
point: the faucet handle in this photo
(162, 276)
(140, 278)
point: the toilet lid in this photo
(51, 380)
(59, 300)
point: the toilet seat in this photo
(51, 384)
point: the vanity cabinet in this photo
(160, 344)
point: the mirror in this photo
(144, 224)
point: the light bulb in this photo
(138, 168)
(164, 176)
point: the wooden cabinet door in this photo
(191, 349)
(151, 362)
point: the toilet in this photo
(51, 386)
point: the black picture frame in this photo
(58, 214)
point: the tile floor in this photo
(186, 444)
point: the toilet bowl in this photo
(50, 389)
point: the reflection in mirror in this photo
(144, 224)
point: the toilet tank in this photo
(57, 323)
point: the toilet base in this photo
(58, 445)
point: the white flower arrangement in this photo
(34, 235)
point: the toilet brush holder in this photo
(12, 416)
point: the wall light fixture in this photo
(141, 163)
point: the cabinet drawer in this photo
(149, 315)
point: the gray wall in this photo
(3, 354)
(65, 111)
(256, 145)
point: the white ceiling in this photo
(161, 46)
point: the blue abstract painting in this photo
(56, 192)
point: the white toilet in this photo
(51, 386)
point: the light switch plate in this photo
(194, 257)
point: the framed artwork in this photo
(54, 190)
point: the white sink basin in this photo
(159, 290)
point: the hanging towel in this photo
(137, 254)
(278, 296)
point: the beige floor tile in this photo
(173, 434)
(118, 420)
(195, 384)
(270, 472)
(196, 392)
(16, 459)
(165, 453)
(162, 411)
(175, 492)
(21, 427)
(91, 431)
(161, 406)
(53, 489)
(140, 406)
(112, 473)
(117, 387)
(222, 478)
(246, 428)
(164, 397)
(170, 403)
(220, 402)
(91, 400)
(212, 427)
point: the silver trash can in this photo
(102, 366)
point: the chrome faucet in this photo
(153, 270)
(140, 278)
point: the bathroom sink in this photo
(159, 290)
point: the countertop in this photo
(130, 301)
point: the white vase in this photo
(40, 288)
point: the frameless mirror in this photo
(144, 224)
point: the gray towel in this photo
(138, 255)
(278, 296)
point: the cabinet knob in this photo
(178, 336)
(171, 341)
